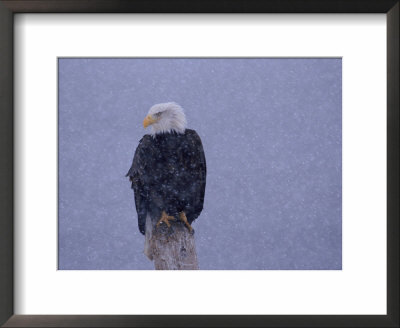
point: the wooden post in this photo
(170, 248)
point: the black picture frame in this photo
(10, 7)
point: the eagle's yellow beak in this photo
(148, 120)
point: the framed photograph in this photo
(293, 106)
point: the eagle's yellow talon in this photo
(183, 218)
(165, 218)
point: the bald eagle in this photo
(168, 171)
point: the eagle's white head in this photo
(166, 117)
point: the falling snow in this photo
(271, 131)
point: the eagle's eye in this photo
(157, 114)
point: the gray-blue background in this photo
(271, 130)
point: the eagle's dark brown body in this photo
(168, 173)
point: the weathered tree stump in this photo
(170, 248)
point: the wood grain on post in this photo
(170, 248)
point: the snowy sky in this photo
(271, 131)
